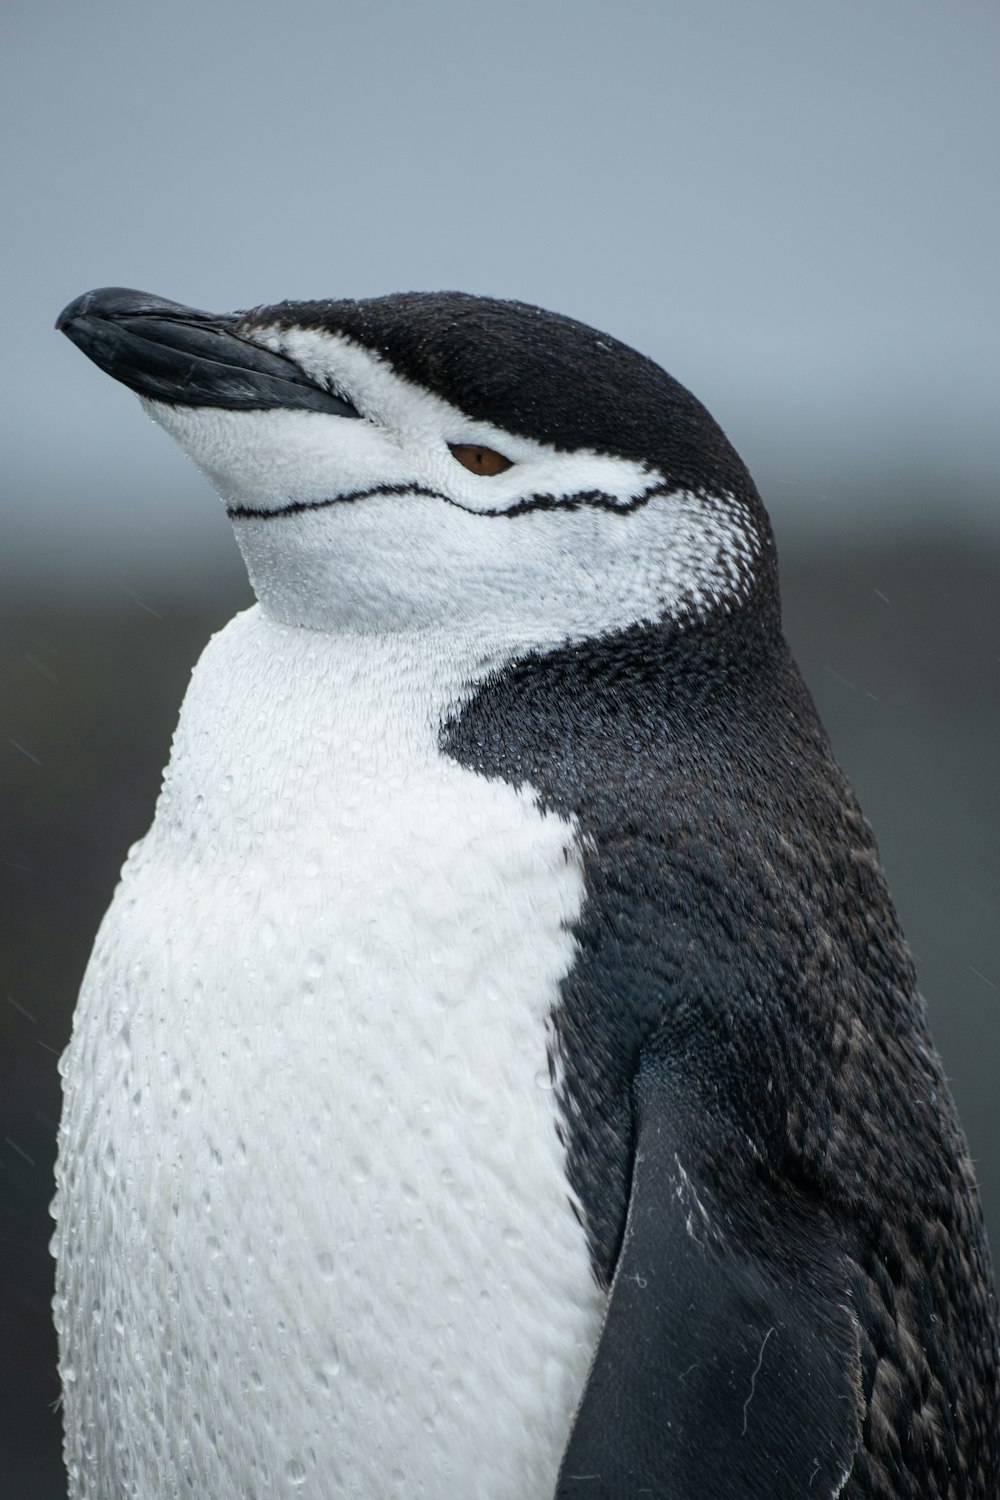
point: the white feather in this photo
(314, 1230)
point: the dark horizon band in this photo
(168, 352)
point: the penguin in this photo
(500, 1071)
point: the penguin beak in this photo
(167, 352)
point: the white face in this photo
(484, 556)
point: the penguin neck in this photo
(276, 714)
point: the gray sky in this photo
(792, 205)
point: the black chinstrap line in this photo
(598, 499)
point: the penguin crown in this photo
(438, 460)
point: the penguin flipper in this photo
(728, 1365)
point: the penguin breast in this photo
(310, 1123)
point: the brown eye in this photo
(479, 460)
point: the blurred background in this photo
(792, 207)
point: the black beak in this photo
(177, 354)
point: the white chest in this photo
(314, 1230)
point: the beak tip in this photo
(73, 310)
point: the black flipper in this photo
(728, 1366)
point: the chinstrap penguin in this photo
(500, 1072)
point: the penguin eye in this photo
(479, 460)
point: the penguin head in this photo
(444, 461)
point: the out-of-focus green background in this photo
(793, 208)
